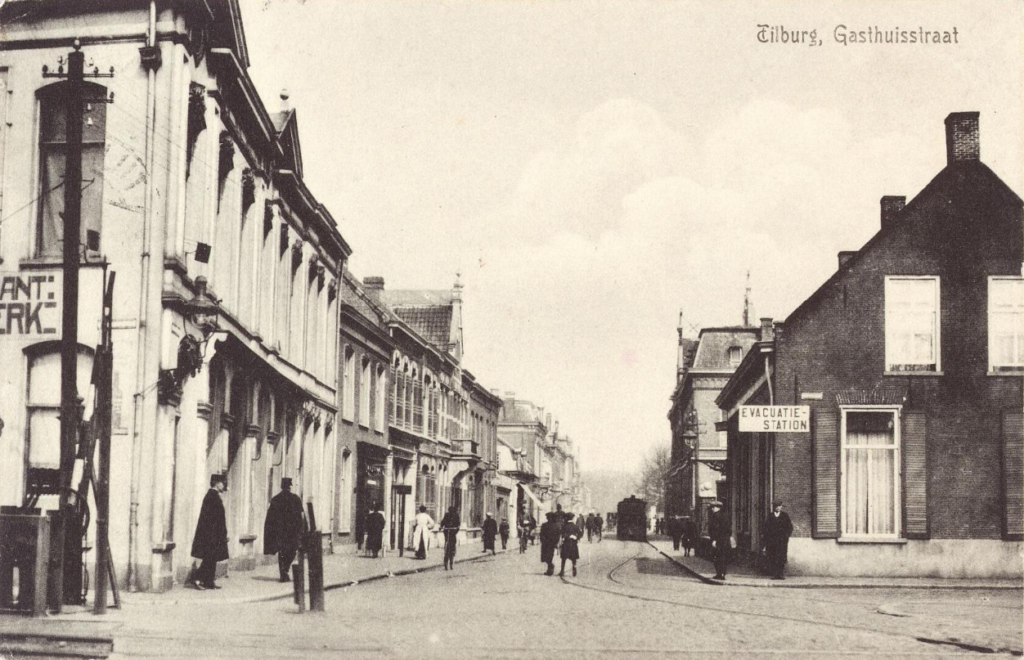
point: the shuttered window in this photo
(826, 464)
(915, 475)
(1013, 474)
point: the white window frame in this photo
(897, 448)
(365, 371)
(992, 366)
(380, 397)
(890, 361)
(348, 393)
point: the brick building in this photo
(911, 359)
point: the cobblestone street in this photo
(616, 607)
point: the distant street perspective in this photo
(511, 329)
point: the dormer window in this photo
(735, 356)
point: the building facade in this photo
(192, 190)
(911, 361)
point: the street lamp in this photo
(201, 313)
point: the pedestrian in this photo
(720, 531)
(570, 544)
(210, 543)
(490, 531)
(503, 532)
(777, 530)
(374, 530)
(675, 530)
(450, 524)
(548, 542)
(688, 535)
(283, 527)
(599, 527)
(531, 528)
(589, 524)
(423, 523)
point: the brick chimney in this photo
(373, 286)
(891, 206)
(767, 329)
(962, 142)
(845, 256)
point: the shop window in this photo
(1005, 323)
(869, 464)
(912, 324)
(52, 153)
(43, 405)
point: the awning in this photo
(526, 489)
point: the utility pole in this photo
(102, 490)
(69, 410)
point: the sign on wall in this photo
(775, 419)
(30, 305)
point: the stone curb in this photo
(851, 585)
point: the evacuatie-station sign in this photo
(775, 419)
(30, 305)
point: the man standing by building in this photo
(283, 527)
(490, 531)
(210, 543)
(777, 530)
(374, 530)
(720, 532)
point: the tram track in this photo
(831, 625)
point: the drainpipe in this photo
(140, 356)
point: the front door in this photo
(398, 495)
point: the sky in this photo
(592, 168)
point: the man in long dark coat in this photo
(549, 537)
(450, 525)
(570, 551)
(282, 530)
(490, 532)
(210, 543)
(599, 527)
(777, 530)
(720, 531)
(374, 530)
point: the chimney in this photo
(374, 286)
(891, 206)
(547, 421)
(962, 141)
(285, 105)
(767, 329)
(845, 256)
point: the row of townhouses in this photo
(910, 361)
(194, 194)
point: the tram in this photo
(632, 520)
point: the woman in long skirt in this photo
(570, 544)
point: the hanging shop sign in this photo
(30, 305)
(775, 419)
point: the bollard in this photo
(299, 581)
(316, 571)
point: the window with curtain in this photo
(348, 403)
(870, 472)
(912, 324)
(52, 152)
(1005, 323)
(364, 394)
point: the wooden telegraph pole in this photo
(69, 412)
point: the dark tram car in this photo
(632, 520)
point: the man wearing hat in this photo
(777, 530)
(490, 531)
(210, 543)
(282, 530)
(720, 532)
(549, 537)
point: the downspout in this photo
(140, 352)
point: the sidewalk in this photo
(744, 576)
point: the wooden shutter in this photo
(826, 474)
(915, 475)
(1013, 474)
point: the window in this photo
(364, 394)
(869, 464)
(348, 404)
(380, 423)
(52, 148)
(1005, 323)
(912, 324)
(43, 407)
(735, 356)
